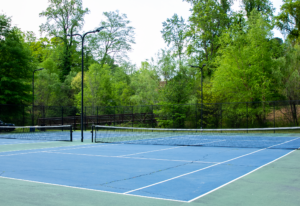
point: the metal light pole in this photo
(32, 120)
(82, 42)
(203, 65)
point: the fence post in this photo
(247, 116)
(173, 114)
(152, 118)
(196, 105)
(114, 115)
(85, 118)
(296, 119)
(44, 116)
(132, 118)
(97, 116)
(274, 115)
(23, 115)
(221, 116)
(74, 117)
(32, 120)
(62, 115)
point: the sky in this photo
(145, 16)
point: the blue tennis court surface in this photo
(169, 172)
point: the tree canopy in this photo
(16, 65)
(244, 62)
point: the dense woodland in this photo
(244, 61)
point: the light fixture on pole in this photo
(32, 120)
(82, 75)
(203, 65)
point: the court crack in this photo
(139, 176)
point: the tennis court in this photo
(182, 174)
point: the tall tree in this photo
(115, 40)
(16, 65)
(246, 68)
(64, 17)
(265, 7)
(174, 34)
(166, 65)
(288, 20)
(209, 19)
(145, 83)
(289, 77)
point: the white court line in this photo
(131, 157)
(81, 188)
(239, 177)
(43, 148)
(24, 143)
(49, 150)
(20, 154)
(150, 151)
(205, 168)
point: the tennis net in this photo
(273, 138)
(46, 133)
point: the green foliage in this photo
(246, 67)
(244, 63)
(174, 33)
(49, 90)
(115, 40)
(166, 65)
(289, 77)
(64, 17)
(16, 65)
(247, 71)
(178, 89)
(265, 7)
(47, 86)
(288, 19)
(145, 84)
(101, 86)
(208, 21)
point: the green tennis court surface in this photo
(74, 173)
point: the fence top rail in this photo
(150, 105)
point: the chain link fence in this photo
(213, 115)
